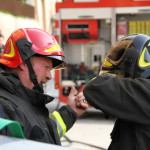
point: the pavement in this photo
(90, 132)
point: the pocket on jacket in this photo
(36, 133)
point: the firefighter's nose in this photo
(49, 75)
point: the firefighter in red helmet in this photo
(28, 57)
(125, 75)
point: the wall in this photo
(9, 23)
(44, 11)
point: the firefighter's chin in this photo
(42, 83)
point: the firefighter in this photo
(122, 90)
(28, 57)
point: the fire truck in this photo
(86, 29)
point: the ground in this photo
(90, 129)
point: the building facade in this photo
(16, 14)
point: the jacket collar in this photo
(10, 81)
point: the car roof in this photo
(8, 143)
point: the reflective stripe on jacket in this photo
(61, 127)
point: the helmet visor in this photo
(118, 50)
(58, 62)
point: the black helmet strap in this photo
(33, 77)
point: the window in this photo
(78, 26)
(83, 35)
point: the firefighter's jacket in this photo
(127, 100)
(27, 106)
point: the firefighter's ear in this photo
(23, 66)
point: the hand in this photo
(77, 102)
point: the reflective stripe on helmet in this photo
(142, 62)
(12, 51)
(107, 63)
(54, 48)
(61, 127)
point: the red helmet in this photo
(26, 42)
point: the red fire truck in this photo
(86, 29)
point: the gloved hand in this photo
(77, 102)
